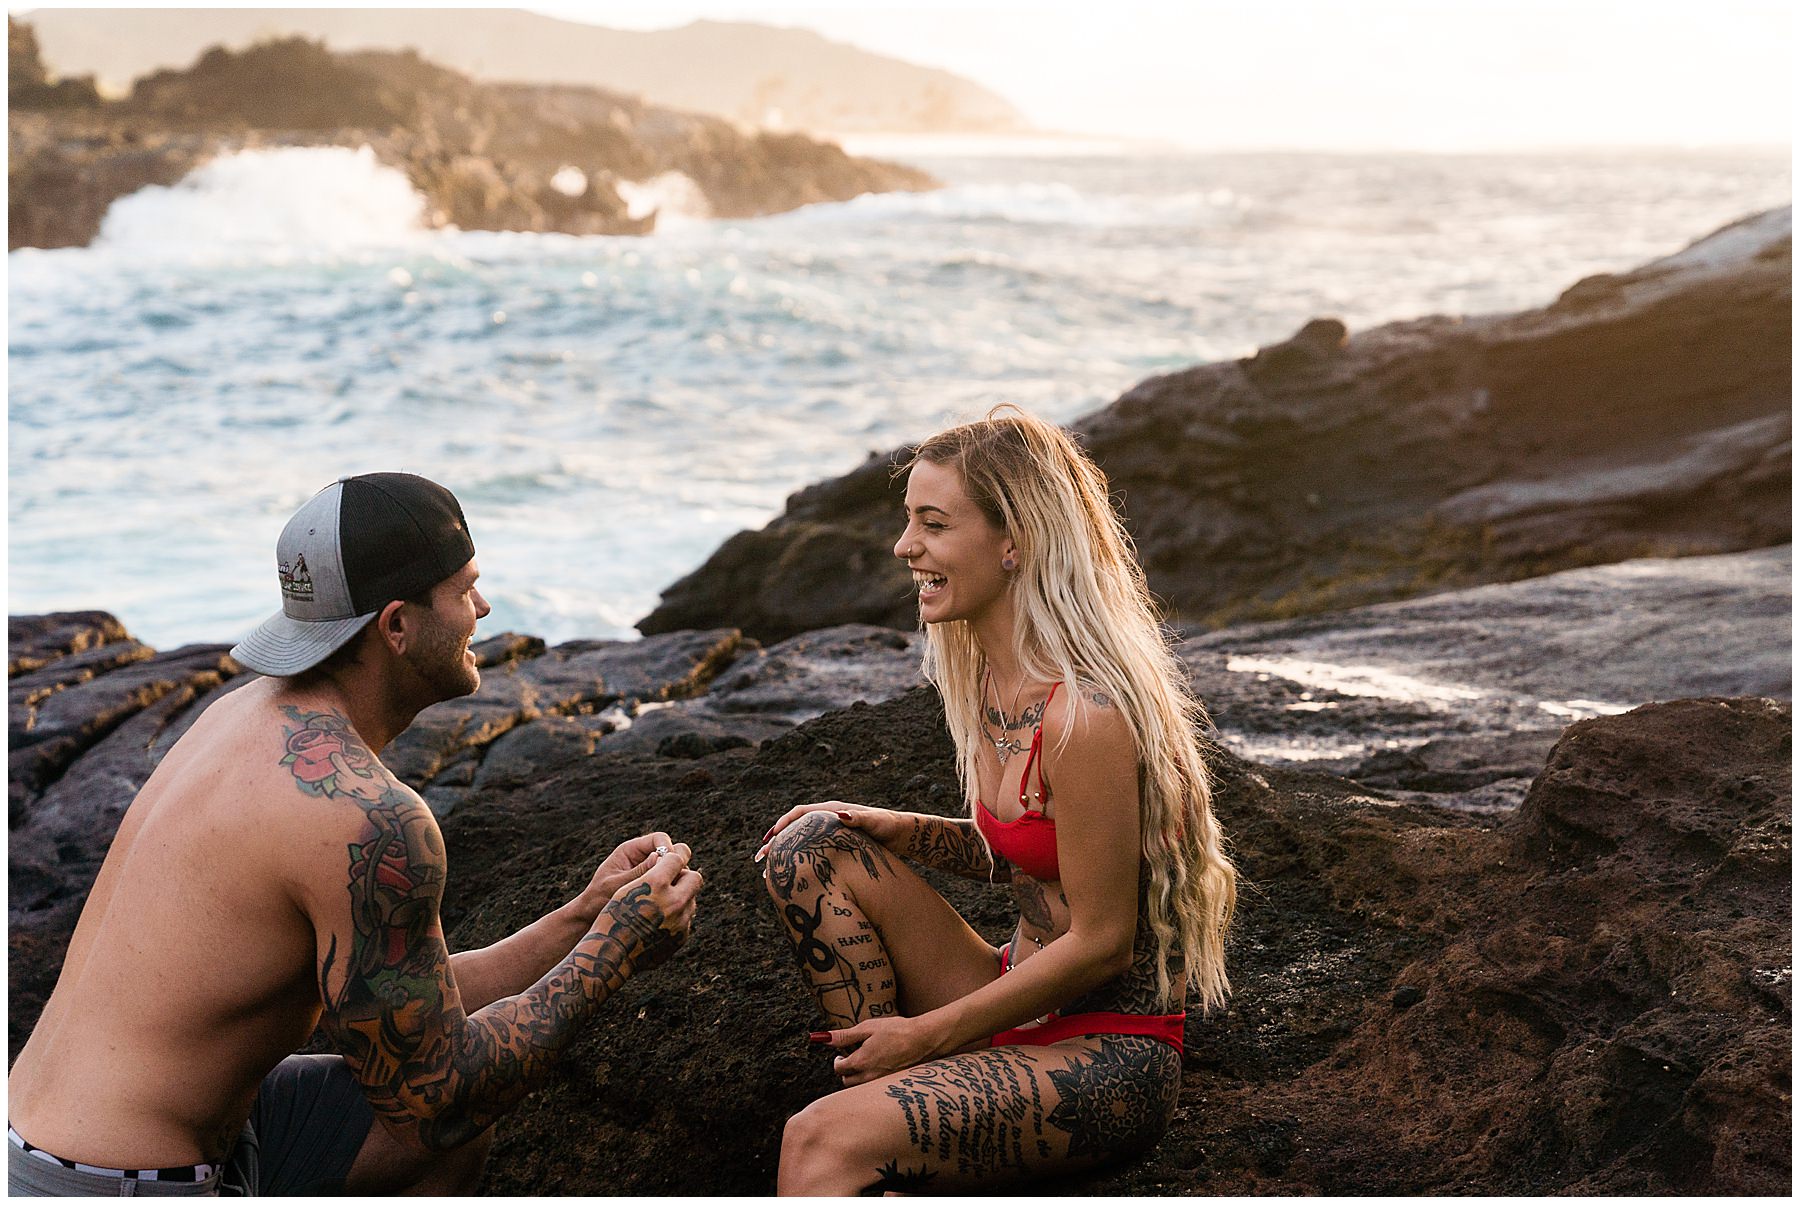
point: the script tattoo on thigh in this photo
(980, 1114)
(1117, 1099)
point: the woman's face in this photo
(954, 551)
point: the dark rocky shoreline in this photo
(483, 155)
(1640, 415)
(1589, 993)
(1480, 949)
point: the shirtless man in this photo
(273, 876)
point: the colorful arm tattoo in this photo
(391, 1005)
(955, 846)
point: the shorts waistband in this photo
(1048, 1031)
(189, 1173)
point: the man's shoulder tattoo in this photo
(326, 757)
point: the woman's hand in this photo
(888, 829)
(881, 1046)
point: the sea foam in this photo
(282, 201)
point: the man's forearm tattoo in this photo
(814, 867)
(955, 846)
(390, 1002)
(979, 1115)
(1118, 1099)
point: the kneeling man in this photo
(272, 876)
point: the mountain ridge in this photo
(762, 75)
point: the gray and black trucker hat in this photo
(361, 543)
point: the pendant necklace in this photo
(1005, 744)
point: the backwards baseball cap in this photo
(361, 543)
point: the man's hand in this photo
(652, 914)
(622, 866)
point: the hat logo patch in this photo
(297, 582)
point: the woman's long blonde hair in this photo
(1084, 617)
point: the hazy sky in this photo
(1321, 74)
(1351, 74)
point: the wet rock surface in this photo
(1641, 415)
(1457, 698)
(483, 155)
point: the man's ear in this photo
(392, 626)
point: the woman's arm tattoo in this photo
(391, 1006)
(955, 846)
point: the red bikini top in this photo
(1028, 842)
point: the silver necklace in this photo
(1005, 743)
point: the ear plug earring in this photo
(1009, 564)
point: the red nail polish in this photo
(818, 1038)
(843, 815)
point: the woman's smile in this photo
(954, 551)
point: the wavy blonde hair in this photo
(1084, 616)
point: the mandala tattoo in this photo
(955, 846)
(391, 1005)
(1118, 1099)
(1135, 991)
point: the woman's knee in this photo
(817, 1158)
(814, 836)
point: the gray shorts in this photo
(308, 1122)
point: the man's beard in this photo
(437, 657)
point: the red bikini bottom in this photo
(1056, 1028)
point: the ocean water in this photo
(610, 409)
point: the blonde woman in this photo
(966, 1066)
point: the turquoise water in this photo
(610, 409)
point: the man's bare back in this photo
(143, 1059)
(272, 877)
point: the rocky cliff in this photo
(485, 156)
(1644, 414)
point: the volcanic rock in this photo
(1590, 995)
(1588, 998)
(1646, 415)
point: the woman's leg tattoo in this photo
(813, 868)
(976, 1116)
(1119, 1098)
(987, 1117)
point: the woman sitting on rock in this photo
(967, 1065)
